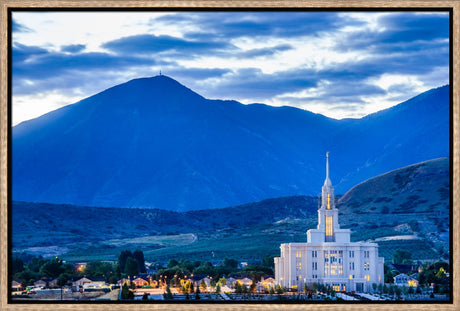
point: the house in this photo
(405, 280)
(41, 283)
(54, 283)
(242, 278)
(245, 281)
(85, 281)
(265, 283)
(141, 281)
(197, 279)
(231, 282)
(16, 285)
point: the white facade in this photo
(329, 257)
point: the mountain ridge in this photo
(152, 142)
(41, 228)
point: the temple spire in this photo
(327, 182)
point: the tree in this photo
(238, 288)
(113, 279)
(139, 256)
(63, 279)
(172, 263)
(168, 294)
(223, 281)
(401, 256)
(315, 287)
(206, 268)
(398, 291)
(305, 288)
(197, 293)
(35, 263)
(52, 268)
(253, 287)
(17, 265)
(27, 275)
(279, 289)
(122, 258)
(231, 263)
(218, 288)
(131, 267)
(126, 293)
(441, 273)
(99, 268)
(187, 286)
(203, 285)
(118, 271)
(411, 290)
(269, 261)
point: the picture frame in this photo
(5, 134)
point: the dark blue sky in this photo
(340, 64)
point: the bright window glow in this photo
(328, 201)
(329, 225)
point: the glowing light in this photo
(328, 225)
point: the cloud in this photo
(17, 27)
(323, 58)
(73, 48)
(50, 70)
(22, 52)
(268, 51)
(147, 44)
(254, 83)
(228, 25)
(399, 32)
(197, 73)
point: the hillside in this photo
(153, 143)
(413, 200)
(382, 209)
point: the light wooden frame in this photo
(177, 4)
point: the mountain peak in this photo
(152, 142)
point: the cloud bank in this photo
(340, 64)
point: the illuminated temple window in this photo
(328, 201)
(328, 225)
(298, 254)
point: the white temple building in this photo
(328, 257)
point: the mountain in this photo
(412, 200)
(154, 143)
(396, 209)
